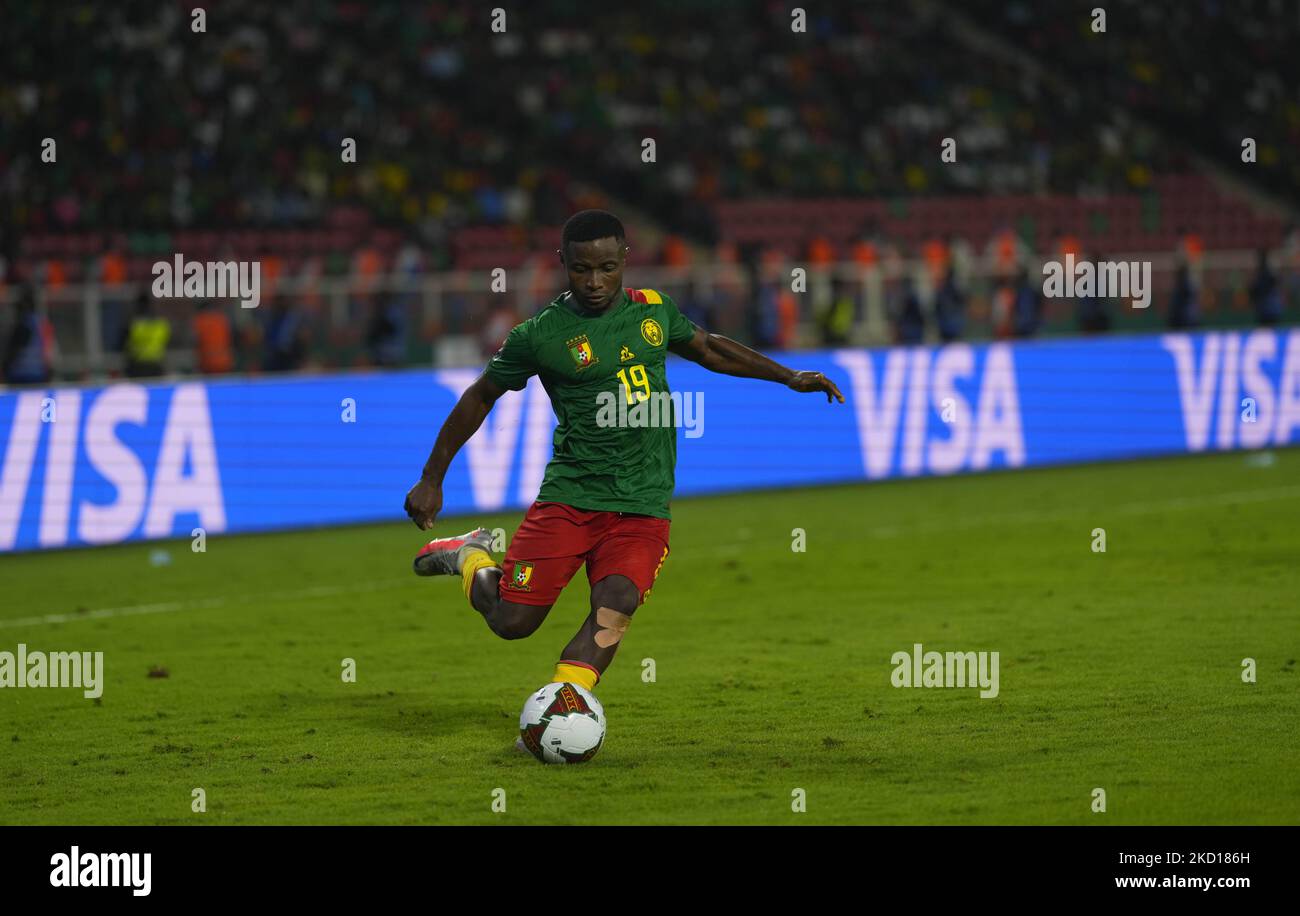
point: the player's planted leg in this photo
(614, 599)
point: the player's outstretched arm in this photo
(722, 354)
(424, 501)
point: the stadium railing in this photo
(447, 318)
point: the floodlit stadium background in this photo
(1103, 496)
(786, 186)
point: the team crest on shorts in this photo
(523, 574)
(653, 334)
(580, 350)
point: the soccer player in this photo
(604, 498)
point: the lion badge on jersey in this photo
(652, 332)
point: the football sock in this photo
(474, 561)
(579, 673)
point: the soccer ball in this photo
(562, 723)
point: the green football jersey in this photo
(605, 376)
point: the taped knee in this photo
(610, 626)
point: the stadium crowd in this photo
(235, 139)
(1209, 72)
(244, 124)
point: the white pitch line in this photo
(167, 607)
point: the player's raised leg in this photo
(469, 556)
(508, 619)
(443, 556)
(614, 600)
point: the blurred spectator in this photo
(866, 252)
(1184, 305)
(1065, 243)
(1291, 262)
(1191, 251)
(938, 265)
(1005, 253)
(367, 265)
(699, 311)
(950, 308)
(731, 301)
(821, 253)
(386, 332)
(144, 344)
(1026, 306)
(776, 311)
(212, 339)
(29, 352)
(877, 259)
(284, 338)
(1264, 293)
(113, 303)
(499, 323)
(674, 252)
(962, 256)
(1093, 312)
(836, 320)
(1002, 310)
(766, 329)
(909, 326)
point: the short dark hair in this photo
(589, 225)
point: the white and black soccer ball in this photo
(562, 723)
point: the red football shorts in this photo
(554, 540)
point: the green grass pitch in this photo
(1119, 670)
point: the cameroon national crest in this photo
(523, 573)
(580, 350)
